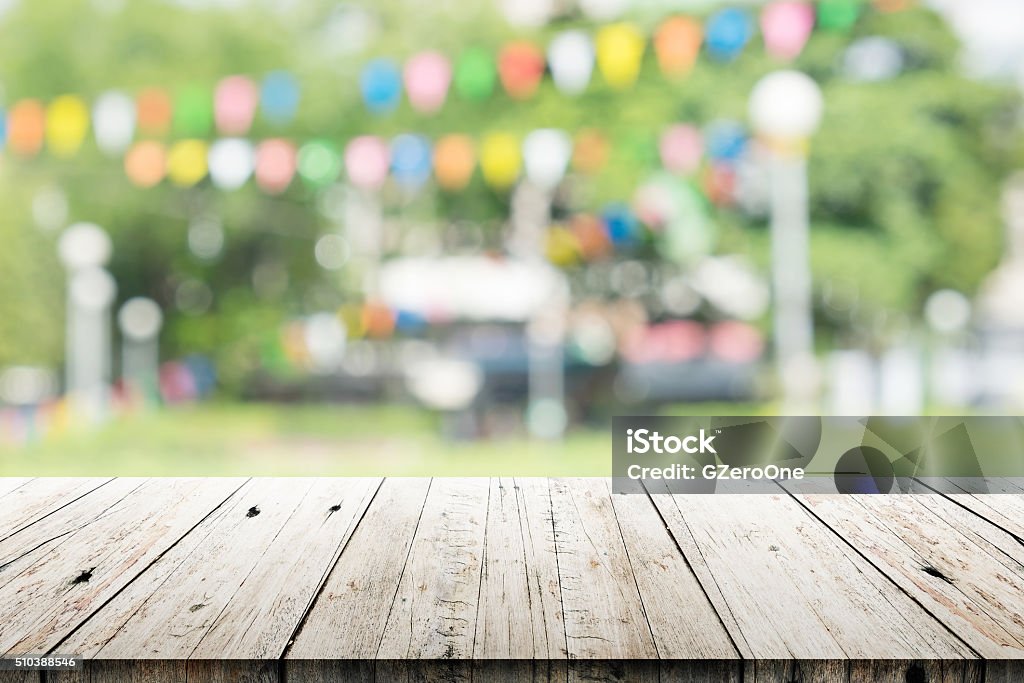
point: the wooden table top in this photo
(287, 572)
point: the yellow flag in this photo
(500, 160)
(620, 49)
(67, 121)
(186, 162)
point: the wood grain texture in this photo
(267, 607)
(520, 612)
(1003, 510)
(875, 671)
(35, 499)
(194, 598)
(507, 580)
(794, 589)
(21, 677)
(128, 671)
(1004, 672)
(238, 586)
(963, 580)
(435, 609)
(171, 671)
(88, 566)
(348, 618)
(682, 619)
(604, 615)
(795, 671)
(8, 484)
(24, 548)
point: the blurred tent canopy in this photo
(905, 173)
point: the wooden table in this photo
(328, 579)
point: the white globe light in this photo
(546, 154)
(113, 123)
(603, 10)
(443, 383)
(93, 289)
(527, 12)
(873, 59)
(231, 163)
(50, 208)
(947, 311)
(325, 337)
(571, 59)
(84, 245)
(140, 318)
(787, 105)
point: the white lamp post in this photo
(140, 320)
(84, 249)
(786, 108)
(546, 154)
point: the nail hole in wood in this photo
(915, 674)
(334, 508)
(84, 576)
(932, 571)
(253, 511)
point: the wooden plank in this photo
(42, 604)
(232, 671)
(682, 619)
(702, 671)
(266, 594)
(101, 627)
(171, 671)
(875, 671)
(520, 670)
(1005, 511)
(795, 671)
(604, 616)
(126, 671)
(977, 593)
(1005, 671)
(520, 611)
(347, 620)
(435, 608)
(23, 549)
(977, 528)
(631, 670)
(8, 484)
(21, 677)
(41, 497)
(171, 622)
(280, 589)
(329, 670)
(794, 589)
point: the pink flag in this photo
(235, 103)
(427, 77)
(366, 162)
(275, 165)
(787, 27)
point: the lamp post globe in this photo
(786, 108)
(786, 105)
(83, 246)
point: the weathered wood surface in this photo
(29, 501)
(505, 579)
(794, 590)
(955, 573)
(77, 571)
(239, 593)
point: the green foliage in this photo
(905, 174)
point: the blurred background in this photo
(390, 237)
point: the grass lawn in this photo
(254, 440)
